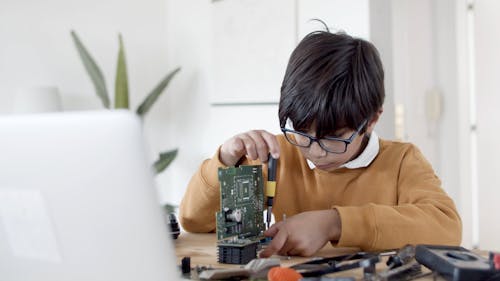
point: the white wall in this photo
(37, 50)
(381, 35)
(186, 106)
(352, 17)
(426, 58)
(250, 49)
(414, 71)
(452, 155)
(461, 121)
(487, 89)
(467, 68)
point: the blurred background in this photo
(441, 60)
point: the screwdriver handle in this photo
(271, 177)
(271, 168)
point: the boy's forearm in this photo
(201, 200)
(377, 227)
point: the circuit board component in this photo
(242, 202)
(240, 221)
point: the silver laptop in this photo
(77, 200)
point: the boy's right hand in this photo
(255, 144)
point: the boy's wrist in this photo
(335, 226)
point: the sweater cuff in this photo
(358, 226)
(210, 168)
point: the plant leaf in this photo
(155, 93)
(92, 69)
(121, 81)
(164, 160)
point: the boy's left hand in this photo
(303, 234)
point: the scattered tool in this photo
(283, 274)
(186, 265)
(456, 263)
(254, 267)
(318, 267)
(270, 187)
(173, 226)
(403, 256)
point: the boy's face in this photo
(330, 161)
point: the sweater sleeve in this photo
(202, 198)
(424, 213)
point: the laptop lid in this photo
(77, 200)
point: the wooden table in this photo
(202, 248)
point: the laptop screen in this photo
(77, 200)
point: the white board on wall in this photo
(351, 16)
(227, 121)
(252, 41)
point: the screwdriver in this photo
(270, 187)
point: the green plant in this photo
(121, 91)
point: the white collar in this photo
(364, 159)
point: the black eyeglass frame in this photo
(314, 139)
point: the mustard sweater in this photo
(396, 200)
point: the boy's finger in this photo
(272, 230)
(272, 143)
(231, 151)
(287, 250)
(276, 244)
(260, 144)
(238, 147)
(250, 149)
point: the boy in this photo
(337, 181)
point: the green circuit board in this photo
(240, 219)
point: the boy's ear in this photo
(374, 120)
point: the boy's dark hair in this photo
(332, 80)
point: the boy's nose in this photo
(316, 150)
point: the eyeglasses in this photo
(329, 144)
